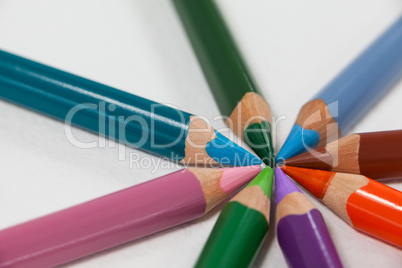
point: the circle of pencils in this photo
(302, 233)
(377, 155)
(339, 173)
(119, 217)
(241, 227)
(367, 205)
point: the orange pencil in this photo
(367, 205)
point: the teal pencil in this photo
(130, 119)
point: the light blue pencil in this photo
(337, 107)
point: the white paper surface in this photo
(293, 48)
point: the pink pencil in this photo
(119, 217)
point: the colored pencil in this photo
(367, 205)
(130, 119)
(241, 226)
(302, 233)
(229, 79)
(334, 110)
(377, 155)
(119, 217)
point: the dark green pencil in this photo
(241, 226)
(235, 92)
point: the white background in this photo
(293, 48)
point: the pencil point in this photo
(233, 178)
(226, 152)
(283, 185)
(259, 138)
(314, 181)
(298, 141)
(264, 180)
(315, 159)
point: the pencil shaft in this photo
(132, 120)
(235, 239)
(102, 109)
(376, 209)
(217, 53)
(104, 222)
(119, 217)
(380, 154)
(366, 79)
(306, 242)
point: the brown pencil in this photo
(377, 155)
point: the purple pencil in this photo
(302, 233)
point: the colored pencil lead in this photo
(259, 137)
(226, 152)
(298, 141)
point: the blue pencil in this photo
(337, 107)
(116, 114)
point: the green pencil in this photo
(241, 226)
(235, 92)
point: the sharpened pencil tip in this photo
(233, 178)
(226, 152)
(313, 180)
(283, 185)
(264, 180)
(298, 141)
(318, 158)
(259, 138)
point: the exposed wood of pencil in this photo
(200, 133)
(253, 197)
(251, 109)
(339, 190)
(314, 115)
(293, 204)
(210, 179)
(340, 155)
